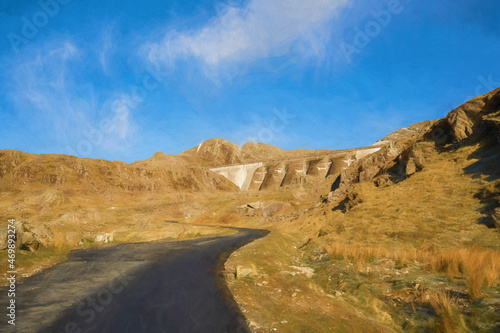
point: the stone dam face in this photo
(278, 173)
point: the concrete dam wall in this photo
(240, 175)
(275, 174)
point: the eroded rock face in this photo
(412, 131)
(461, 124)
(409, 161)
(404, 152)
(368, 168)
(468, 117)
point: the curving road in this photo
(164, 286)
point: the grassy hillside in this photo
(406, 239)
(413, 256)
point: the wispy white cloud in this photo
(47, 90)
(40, 79)
(106, 47)
(120, 125)
(260, 30)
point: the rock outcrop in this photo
(470, 117)
(404, 152)
(263, 208)
(490, 196)
(27, 237)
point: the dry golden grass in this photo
(449, 319)
(280, 299)
(130, 219)
(432, 212)
(366, 253)
(433, 207)
(426, 226)
(480, 267)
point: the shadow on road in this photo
(165, 286)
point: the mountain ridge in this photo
(189, 170)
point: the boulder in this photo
(104, 237)
(274, 208)
(25, 238)
(418, 154)
(242, 272)
(247, 210)
(28, 241)
(42, 234)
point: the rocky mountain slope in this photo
(188, 171)
(405, 151)
(406, 236)
(22, 171)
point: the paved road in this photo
(161, 286)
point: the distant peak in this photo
(248, 145)
(215, 140)
(159, 155)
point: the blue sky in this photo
(121, 80)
